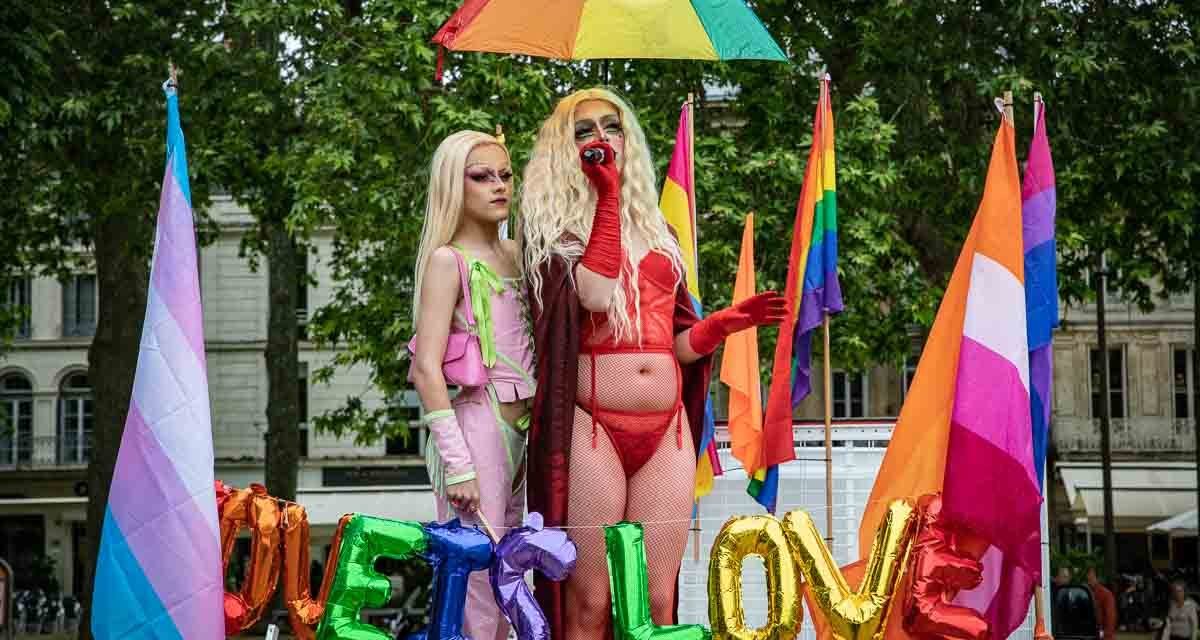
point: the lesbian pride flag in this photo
(158, 572)
(678, 204)
(812, 292)
(965, 428)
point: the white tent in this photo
(1183, 524)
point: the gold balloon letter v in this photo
(862, 614)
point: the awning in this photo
(1183, 524)
(1144, 490)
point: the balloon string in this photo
(493, 529)
(714, 519)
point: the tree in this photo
(373, 115)
(90, 167)
(27, 36)
(109, 109)
(256, 114)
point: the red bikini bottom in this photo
(635, 434)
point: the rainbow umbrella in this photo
(585, 29)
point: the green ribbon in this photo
(522, 424)
(482, 278)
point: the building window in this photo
(16, 297)
(1116, 383)
(849, 395)
(399, 445)
(302, 407)
(1183, 381)
(75, 420)
(79, 306)
(908, 373)
(302, 296)
(16, 420)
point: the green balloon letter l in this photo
(630, 589)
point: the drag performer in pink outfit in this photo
(469, 279)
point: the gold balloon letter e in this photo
(860, 615)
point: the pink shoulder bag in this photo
(463, 363)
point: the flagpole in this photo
(691, 137)
(828, 373)
(828, 442)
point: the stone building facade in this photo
(46, 398)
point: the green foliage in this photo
(81, 124)
(1079, 561)
(372, 117)
(913, 89)
(329, 120)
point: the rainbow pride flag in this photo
(965, 428)
(158, 572)
(678, 204)
(812, 292)
(1038, 205)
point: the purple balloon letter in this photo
(548, 551)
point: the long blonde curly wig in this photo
(557, 200)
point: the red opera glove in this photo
(603, 253)
(767, 307)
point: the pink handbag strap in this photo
(466, 285)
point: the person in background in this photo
(1106, 605)
(1182, 621)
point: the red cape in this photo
(556, 329)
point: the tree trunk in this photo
(283, 368)
(123, 275)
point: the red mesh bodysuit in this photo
(623, 465)
(635, 418)
(595, 395)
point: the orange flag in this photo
(739, 367)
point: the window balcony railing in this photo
(44, 452)
(1126, 435)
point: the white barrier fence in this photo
(857, 454)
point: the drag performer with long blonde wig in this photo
(623, 361)
(469, 279)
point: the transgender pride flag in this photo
(158, 572)
(965, 428)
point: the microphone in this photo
(595, 155)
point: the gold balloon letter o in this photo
(762, 536)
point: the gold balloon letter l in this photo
(862, 614)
